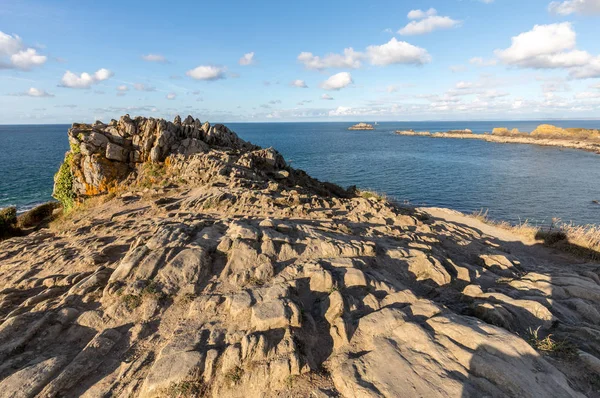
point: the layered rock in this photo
(103, 154)
(243, 277)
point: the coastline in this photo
(555, 142)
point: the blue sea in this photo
(513, 182)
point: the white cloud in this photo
(391, 89)
(545, 46)
(426, 22)
(420, 14)
(35, 92)
(247, 59)
(122, 88)
(337, 81)
(392, 52)
(327, 97)
(299, 84)
(154, 58)
(143, 87)
(25, 59)
(568, 7)
(11, 47)
(479, 61)
(587, 95)
(206, 72)
(171, 96)
(102, 74)
(463, 85)
(350, 59)
(397, 52)
(9, 44)
(85, 80)
(590, 70)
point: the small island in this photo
(545, 135)
(362, 126)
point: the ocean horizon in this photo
(512, 182)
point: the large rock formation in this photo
(234, 275)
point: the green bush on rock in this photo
(8, 219)
(63, 184)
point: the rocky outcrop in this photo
(242, 277)
(544, 135)
(104, 154)
(362, 126)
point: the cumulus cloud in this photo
(327, 97)
(171, 96)
(299, 83)
(568, 7)
(392, 52)
(206, 72)
(16, 55)
(35, 92)
(122, 88)
(397, 52)
(154, 58)
(337, 81)
(247, 59)
(551, 47)
(420, 14)
(349, 59)
(426, 22)
(84, 80)
(545, 46)
(143, 87)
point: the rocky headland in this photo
(362, 126)
(192, 263)
(545, 135)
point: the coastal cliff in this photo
(193, 263)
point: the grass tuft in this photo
(562, 349)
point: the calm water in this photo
(515, 182)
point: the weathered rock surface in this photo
(224, 278)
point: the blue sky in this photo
(377, 60)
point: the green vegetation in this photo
(74, 148)
(371, 194)
(37, 215)
(63, 184)
(131, 301)
(254, 281)
(8, 221)
(186, 389)
(234, 375)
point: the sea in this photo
(514, 183)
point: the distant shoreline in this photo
(519, 138)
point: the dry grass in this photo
(524, 228)
(547, 345)
(580, 240)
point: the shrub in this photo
(234, 375)
(8, 219)
(37, 215)
(63, 184)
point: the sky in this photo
(277, 61)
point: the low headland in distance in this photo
(186, 261)
(544, 134)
